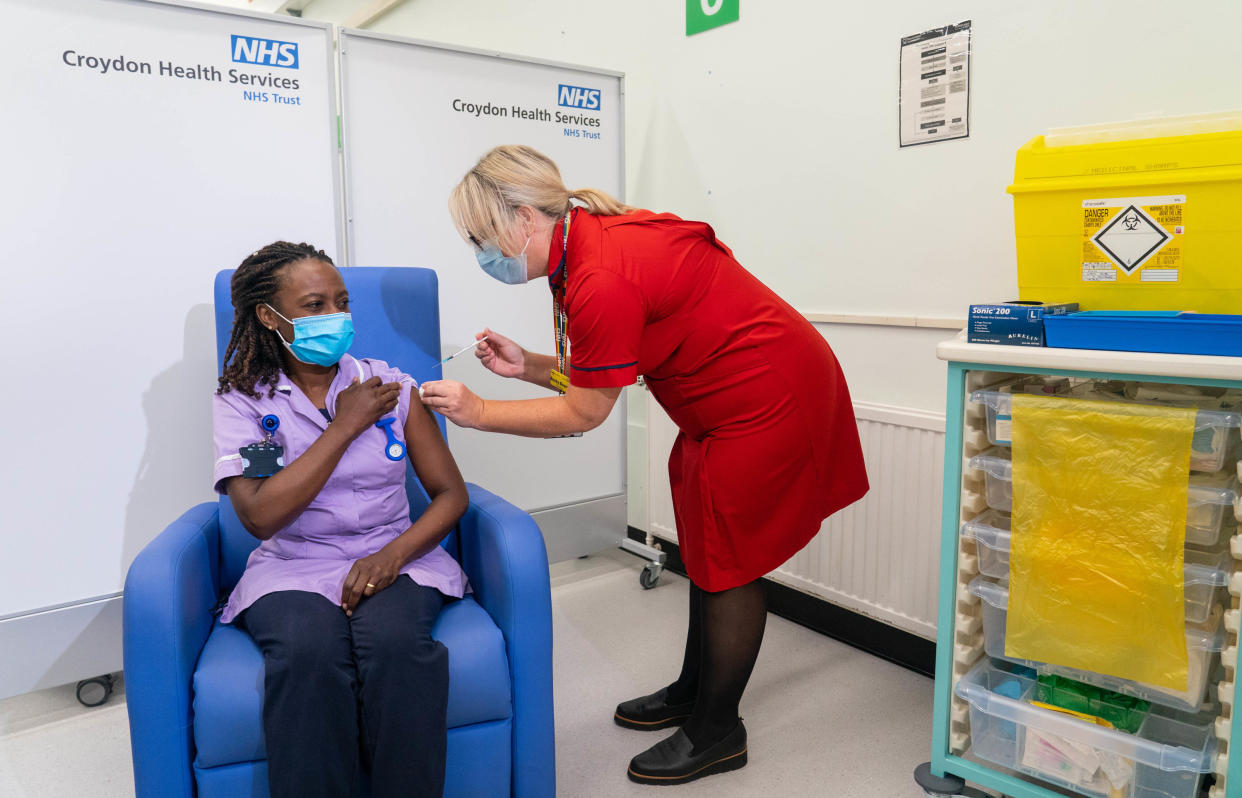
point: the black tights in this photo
(722, 643)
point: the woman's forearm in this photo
(577, 410)
(266, 506)
(441, 515)
(533, 418)
(538, 369)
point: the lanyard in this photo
(560, 319)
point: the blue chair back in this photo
(396, 314)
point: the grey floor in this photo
(824, 719)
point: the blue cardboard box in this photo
(1012, 323)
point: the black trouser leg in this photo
(686, 687)
(310, 710)
(732, 630)
(403, 676)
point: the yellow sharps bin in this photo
(1139, 216)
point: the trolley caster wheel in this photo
(937, 786)
(649, 577)
(95, 692)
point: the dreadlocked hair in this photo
(253, 356)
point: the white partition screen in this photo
(417, 116)
(147, 145)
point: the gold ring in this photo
(370, 585)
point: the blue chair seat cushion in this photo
(228, 684)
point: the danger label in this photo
(1133, 239)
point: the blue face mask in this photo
(319, 340)
(509, 269)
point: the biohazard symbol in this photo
(1131, 238)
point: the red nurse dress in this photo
(768, 444)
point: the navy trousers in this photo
(347, 695)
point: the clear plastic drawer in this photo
(1202, 642)
(1208, 498)
(1206, 573)
(1165, 757)
(1213, 440)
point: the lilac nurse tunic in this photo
(362, 507)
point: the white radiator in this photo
(880, 557)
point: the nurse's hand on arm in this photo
(267, 505)
(578, 410)
(437, 471)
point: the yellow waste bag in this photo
(1099, 528)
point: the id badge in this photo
(261, 459)
(559, 381)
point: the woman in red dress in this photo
(768, 445)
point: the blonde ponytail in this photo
(600, 203)
(484, 204)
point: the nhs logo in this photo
(578, 97)
(266, 52)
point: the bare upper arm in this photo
(592, 405)
(243, 493)
(428, 451)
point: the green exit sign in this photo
(704, 15)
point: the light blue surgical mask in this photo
(509, 269)
(319, 340)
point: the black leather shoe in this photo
(652, 712)
(673, 761)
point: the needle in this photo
(467, 349)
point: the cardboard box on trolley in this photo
(1138, 216)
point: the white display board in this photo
(147, 145)
(417, 116)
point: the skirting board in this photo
(875, 637)
(577, 530)
(60, 645)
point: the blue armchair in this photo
(195, 687)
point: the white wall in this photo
(386, 153)
(124, 194)
(781, 131)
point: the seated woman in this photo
(343, 592)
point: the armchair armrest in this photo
(169, 595)
(503, 554)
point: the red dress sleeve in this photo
(606, 319)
